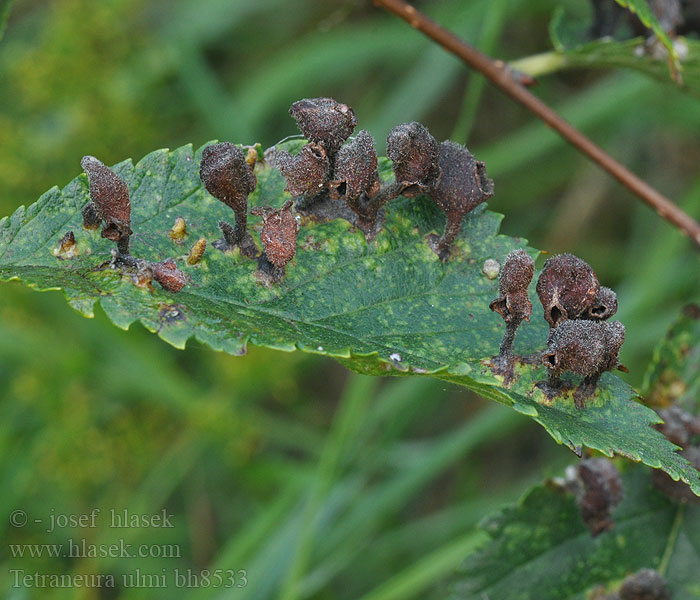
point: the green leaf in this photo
(574, 50)
(388, 307)
(643, 12)
(674, 373)
(609, 54)
(540, 549)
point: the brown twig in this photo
(499, 74)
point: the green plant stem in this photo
(540, 64)
(502, 76)
(672, 537)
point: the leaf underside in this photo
(387, 307)
(540, 549)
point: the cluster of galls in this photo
(110, 206)
(328, 170)
(327, 178)
(580, 340)
(227, 174)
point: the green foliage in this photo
(541, 549)
(543, 544)
(643, 12)
(388, 307)
(674, 373)
(94, 416)
(573, 49)
(628, 55)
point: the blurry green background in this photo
(318, 483)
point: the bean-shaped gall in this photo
(324, 121)
(415, 155)
(461, 187)
(110, 197)
(679, 426)
(567, 288)
(513, 303)
(586, 348)
(306, 173)
(227, 176)
(598, 489)
(678, 490)
(356, 178)
(683, 429)
(604, 307)
(168, 275)
(279, 239)
(646, 584)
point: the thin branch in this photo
(503, 77)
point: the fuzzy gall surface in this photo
(226, 175)
(356, 168)
(463, 183)
(279, 236)
(604, 307)
(324, 121)
(110, 197)
(169, 276)
(646, 584)
(584, 347)
(567, 288)
(513, 303)
(306, 173)
(415, 155)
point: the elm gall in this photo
(513, 303)
(604, 307)
(168, 275)
(567, 288)
(279, 239)
(306, 173)
(110, 197)
(324, 121)
(227, 176)
(461, 187)
(598, 489)
(356, 178)
(586, 348)
(415, 155)
(645, 584)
